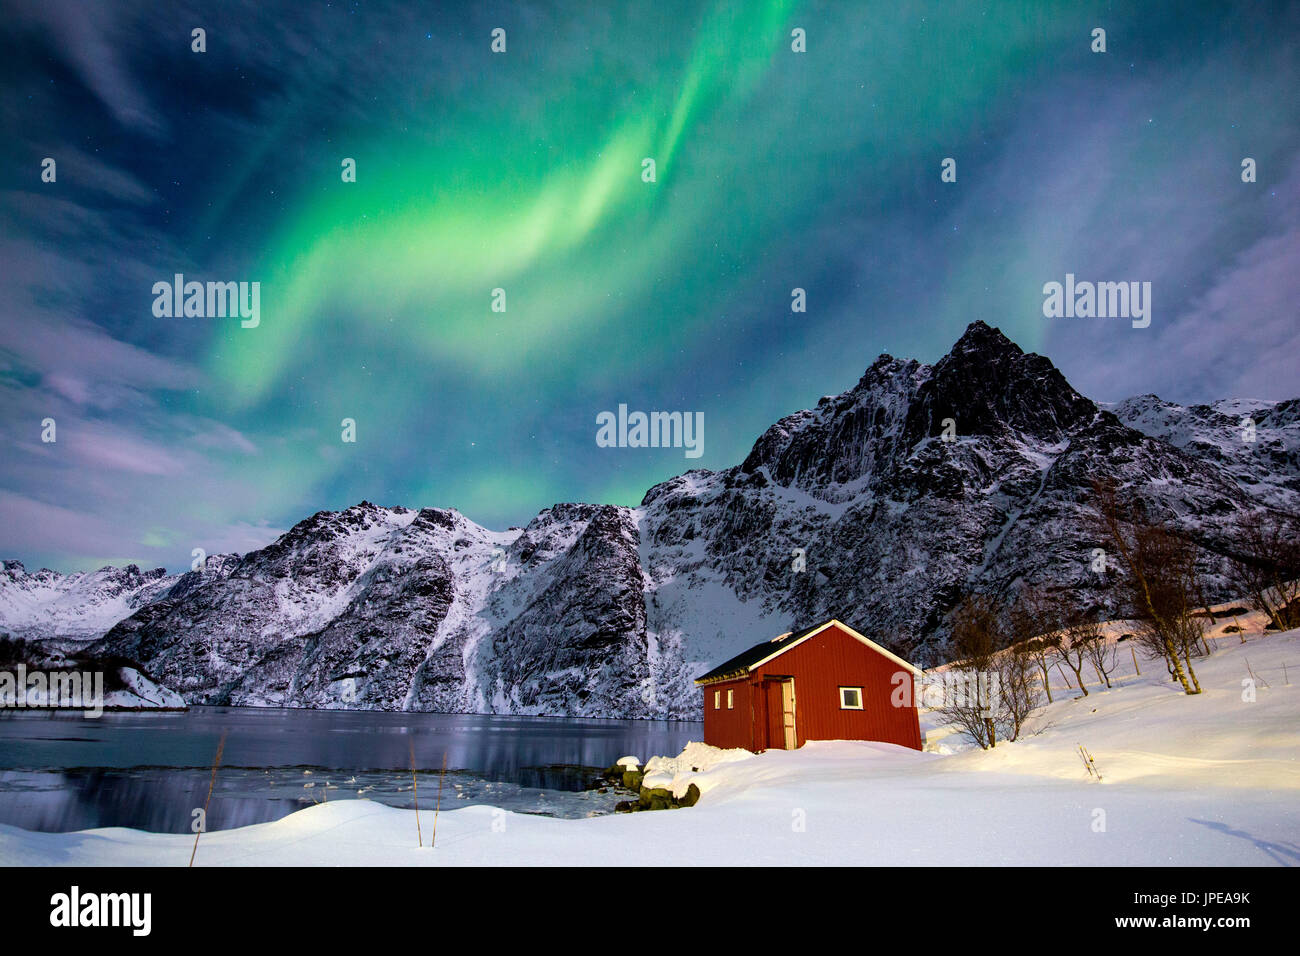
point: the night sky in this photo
(522, 171)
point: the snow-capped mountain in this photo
(1256, 443)
(881, 507)
(78, 606)
(392, 608)
(82, 606)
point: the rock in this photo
(661, 798)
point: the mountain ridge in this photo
(860, 508)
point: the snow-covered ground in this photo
(1206, 780)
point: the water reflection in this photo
(62, 772)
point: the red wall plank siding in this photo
(833, 659)
(820, 666)
(728, 728)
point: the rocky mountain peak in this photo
(988, 386)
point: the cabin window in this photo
(850, 698)
(731, 699)
(717, 699)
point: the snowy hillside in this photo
(1205, 780)
(83, 606)
(74, 606)
(1256, 443)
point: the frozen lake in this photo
(61, 771)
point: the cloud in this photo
(82, 169)
(73, 538)
(1239, 340)
(87, 366)
(92, 38)
(48, 284)
(118, 451)
(40, 527)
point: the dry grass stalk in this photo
(216, 762)
(415, 793)
(438, 803)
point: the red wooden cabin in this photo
(826, 682)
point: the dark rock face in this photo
(584, 634)
(337, 612)
(990, 388)
(895, 523)
(858, 509)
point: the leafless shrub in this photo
(1019, 690)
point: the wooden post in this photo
(1089, 763)
(1135, 660)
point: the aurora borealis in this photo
(522, 171)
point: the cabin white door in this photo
(787, 714)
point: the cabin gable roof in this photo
(746, 662)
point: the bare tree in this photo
(1031, 617)
(991, 690)
(1039, 650)
(1019, 699)
(1266, 569)
(1070, 644)
(1101, 655)
(1160, 580)
(976, 633)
